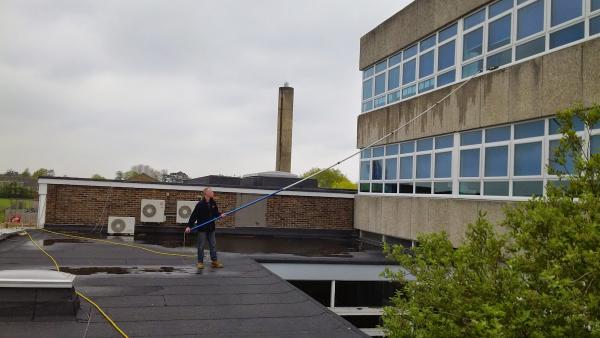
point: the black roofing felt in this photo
(243, 299)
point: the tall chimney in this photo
(285, 115)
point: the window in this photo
(379, 84)
(391, 149)
(425, 144)
(500, 7)
(565, 10)
(530, 19)
(472, 68)
(365, 187)
(595, 144)
(377, 187)
(497, 134)
(367, 89)
(499, 33)
(427, 43)
(380, 67)
(495, 188)
(408, 72)
(407, 147)
(528, 159)
(426, 64)
(529, 129)
(393, 97)
(393, 78)
(469, 163)
(528, 188)
(365, 153)
(426, 85)
(474, 19)
(367, 106)
(470, 137)
(595, 25)
(595, 5)
(409, 52)
(391, 188)
(472, 44)
(394, 60)
(444, 188)
(496, 161)
(443, 165)
(500, 59)
(446, 78)
(531, 48)
(368, 73)
(442, 142)
(391, 171)
(379, 102)
(378, 152)
(449, 32)
(446, 55)
(365, 168)
(567, 35)
(567, 168)
(469, 188)
(554, 126)
(423, 188)
(406, 167)
(377, 170)
(424, 166)
(409, 91)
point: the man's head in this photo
(208, 193)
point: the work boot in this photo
(200, 265)
(216, 264)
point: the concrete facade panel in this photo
(460, 213)
(591, 72)
(495, 98)
(419, 217)
(561, 80)
(375, 215)
(525, 88)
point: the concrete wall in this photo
(285, 123)
(407, 217)
(412, 23)
(536, 88)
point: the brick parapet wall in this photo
(92, 205)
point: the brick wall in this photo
(91, 205)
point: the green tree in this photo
(331, 178)
(42, 172)
(26, 173)
(98, 177)
(540, 277)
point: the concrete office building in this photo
(488, 144)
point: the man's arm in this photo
(193, 218)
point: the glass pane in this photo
(380, 67)
(391, 171)
(391, 188)
(469, 163)
(423, 187)
(406, 188)
(426, 64)
(426, 85)
(446, 55)
(497, 134)
(528, 159)
(377, 187)
(530, 19)
(472, 68)
(528, 188)
(443, 188)
(406, 167)
(393, 97)
(595, 144)
(444, 141)
(595, 25)
(408, 71)
(499, 33)
(365, 187)
(443, 165)
(500, 59)
(379, 102)
(368, 73)
(470, 137)
(531, 48)
(407, 147)
(391, 149)
(496, 161)
(565, 10)
(367, 106)
(380, 84)
(378, 152)
(567, 35)
(529, 129)
(365, 153)
(500, 7)
(428, 43)
(469, 188)
(472, 44)
(367, 89)
(377, 170)
(365, 170)
(567, 168)
(495, 188)
(595, 5)
(474, 19)
(393, 78)
(424, 166)
(425, 144)
(409, 91)
(449, 32)
(395, 59)
(554, 126)
(446, 78)
(409, 52)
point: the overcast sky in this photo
(97, 86)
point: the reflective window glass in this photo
(499, 33)
(469, 163)
(380, 84)
(426, 85)
(495, 188)
(472, 44)
(367, 89)
(530, 48)
(377, 169)
(499, 59)
(409, 91)
(529, 129)
(595, 5)
(427, 43)
(424, 166)
(365, 187)
(393, 97)
(470, 137)
(444, 141)
(469, 188)
(367, 106)
(391, 149)
(595, 144)
(425, 144)
(497, 134)
(474, 19)
(554, 126)
(393, 78)
(378, 152)
(567, 168)
(567, 35)
(405, 188)
(426, 64)
(595, 25)
(381, 66)
(446, 78)
(406, 168)
(365, 153)
(530, 19)
(443, 165)
(365, 170)
(395, 59)
(565, 10)
(446, 55)
(409, 52)
(408, 71)
(500, 7)
(472, 68)
(407, 147)
(528, 159)
(496, 161)
(391, 188)
(379, 102)
(368, 73)
(443, 188)
(391, 171)
(449, 32)
(528, 188)
(423, 188)
(377, 187)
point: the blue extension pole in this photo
(346, 158)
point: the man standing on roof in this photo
(205, 210)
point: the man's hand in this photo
(223, 214)
(188, 230)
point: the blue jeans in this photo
(203, 237)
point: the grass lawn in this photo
(4, 203)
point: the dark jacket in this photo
(204, 211)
